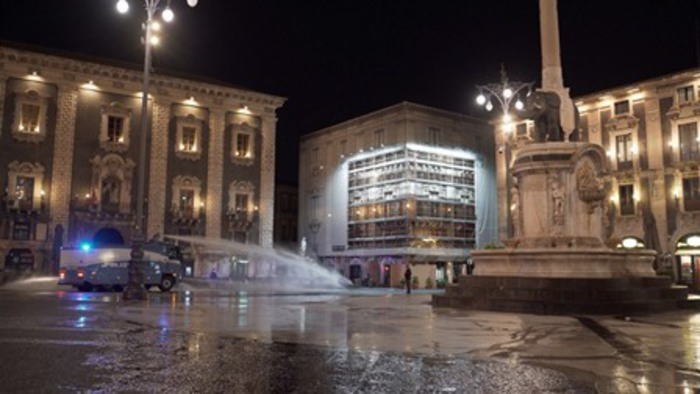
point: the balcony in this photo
(241, 220)
(25, 208)
(186, 217)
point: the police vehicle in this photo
(106, 268)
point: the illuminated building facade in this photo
(650, 132)
(408, 184)
(69, 152)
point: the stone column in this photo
(215, 173)
(267, 181)
(552, 75)
(61, 176)
(552, 78)
(155, 223)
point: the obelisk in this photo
(552, 76)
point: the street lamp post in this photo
(507, 94)
(134, 287)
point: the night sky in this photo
(335, 60)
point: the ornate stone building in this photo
(407, 184)
(650, 132)
(69, 135)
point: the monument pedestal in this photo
(557, 262)
(563, 296)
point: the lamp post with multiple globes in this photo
(134, 288)
(507, 94)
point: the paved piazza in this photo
(222, 337)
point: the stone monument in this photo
(557, 261)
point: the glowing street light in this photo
(134, 288)
(504, 93)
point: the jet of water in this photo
(288, 269)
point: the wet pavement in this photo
(219, 337)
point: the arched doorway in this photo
(108, 237)
(688, 260)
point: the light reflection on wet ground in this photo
(652, 354)
(655, 353)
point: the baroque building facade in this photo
(69, 143)
(649, 130)
(405, 185)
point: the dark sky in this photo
(338, 59)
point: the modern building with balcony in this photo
(650, 132)
(69, 128)
(405, 185)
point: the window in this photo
(241, 198)
(114, 128)
(243, 145)
(30, 117)
(24, 186)
(626, 199)
(434, 136)
(521, 130)
(689, 142)
(188, 140)
(624, 151)
(622, 107)
(379, 138)
(315, 156)
(24, 191)
(241, 203)
(691, 193)
(686, 94)
(343, 148)
(187, 200)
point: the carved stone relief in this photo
(557, 196)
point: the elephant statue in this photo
(544, 109)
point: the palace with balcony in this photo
(69, 132)
(650, 132)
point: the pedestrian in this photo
(407, 278)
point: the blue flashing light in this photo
(85, 246)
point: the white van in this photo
(87, 268)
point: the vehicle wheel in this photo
(166, 283)
(85, 287)
(118, 288)
(104, 288)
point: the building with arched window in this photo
(69, 143)
(649, 130)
